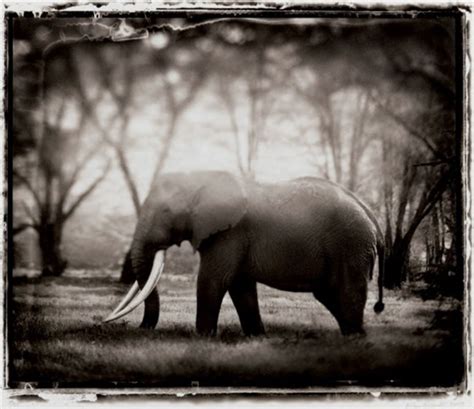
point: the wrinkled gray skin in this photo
(306, 235)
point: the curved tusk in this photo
(126, 300)
(156, 270)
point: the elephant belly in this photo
(291, 263)
(289, 269)
(286, 282)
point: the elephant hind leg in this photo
(349, 315)
(351, 327)
(243, 293)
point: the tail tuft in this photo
(379, 306)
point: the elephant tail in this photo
(379, 305)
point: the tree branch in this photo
(68, 213)
(87, 105)
(428, 201)
(433, 163)
(120, 101)
(407, 182)
(30, 188)
(304, 91)
(168, 139)
(230, 107)
(30, 214)
(67, 186)
(132, 187)
(198, 80)
(433, 77)
(403, 123)
(22, 227)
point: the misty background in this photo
(103, 106)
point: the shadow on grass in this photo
(286, 357)
(57, 337)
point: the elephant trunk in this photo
(144, 266)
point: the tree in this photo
(181, 81)
(179, 84)
(51, 186)
(175, 74)
(410, 195)
(342, 147)
(406, 206)
(246, 76)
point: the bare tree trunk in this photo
(132, 187)
(165, 150)
(397, 252)
(388, 198)
(429, 252)
(358, 145)
(407, 183)
(50, 230)
(336, 151)
(442, 231)
(438, 251)
(50, 237)
(330, 132)
(119, 148)
(395, 262)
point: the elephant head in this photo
(179, 207)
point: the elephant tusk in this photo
(126, 300)
(128, 306)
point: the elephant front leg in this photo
(221, 257)
(243, 292)
(210, 294)
(152, 310)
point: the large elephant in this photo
(306, 235)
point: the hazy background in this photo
(368, 103)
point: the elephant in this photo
(305, 235)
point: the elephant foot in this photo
(255, 331)
(147, 325)
(352, 332)
(206, 333)
(256, 336)
(206, 322)
(150, 319)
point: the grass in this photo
(56, 336)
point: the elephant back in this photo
(314, 208)
(343, 200)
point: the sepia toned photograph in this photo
(243, 201)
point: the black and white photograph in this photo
(237, 200)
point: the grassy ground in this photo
(57, 337)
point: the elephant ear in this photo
(218, 204)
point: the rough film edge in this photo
(87, 394)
